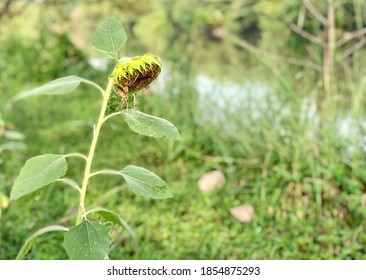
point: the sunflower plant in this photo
(89, 239)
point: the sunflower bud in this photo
(133, 74)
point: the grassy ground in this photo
(305, 191)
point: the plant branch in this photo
(314, 11)
(305, 34)
(105, 172)
(354, 48)
(70, 183)
(329, 51)
(93, 145)
(111, 115)
(263, 54)
(350, 36)
(7, 11)
(94, 85)
(5, 8)
(79, 155)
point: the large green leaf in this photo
(114, 218)
(37, 173)
(87, 241)
(148, 125)
(30, 241)
(60, 86)
(144, 182)
(109, 38)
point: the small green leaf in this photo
(60, 86)
(30, 241)
(145, 124)
(109, 38)
(114, 218)
(37, 173)
(87, 241)
(144, 182)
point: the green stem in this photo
(79, 155)
(94, 85)
(93, 145)
(70, 183)
(106, 172)
(111, 115)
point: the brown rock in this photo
(244, 213)
(211, 180)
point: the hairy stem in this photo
(92, 150)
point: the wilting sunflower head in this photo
(133, 74)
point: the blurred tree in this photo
(324, 37)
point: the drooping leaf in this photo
(144, 182)
(109, 38)
(148, 125)
(37, 173)
(59, 86)
(114, 218)
(87, 241)
(30, 240)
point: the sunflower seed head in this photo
(133, 74)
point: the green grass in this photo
(305, 192)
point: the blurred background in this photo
(269, 94)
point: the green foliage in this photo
(87, 241)
(32, 239)
(13, 141)
(304, 180)
(144, 182)
(151, 126)
(56, 87)
(10, 141)
(37, 173)
(13, 135)
(116, 105)
(109, 38)
(90, 240)
(113, 217)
